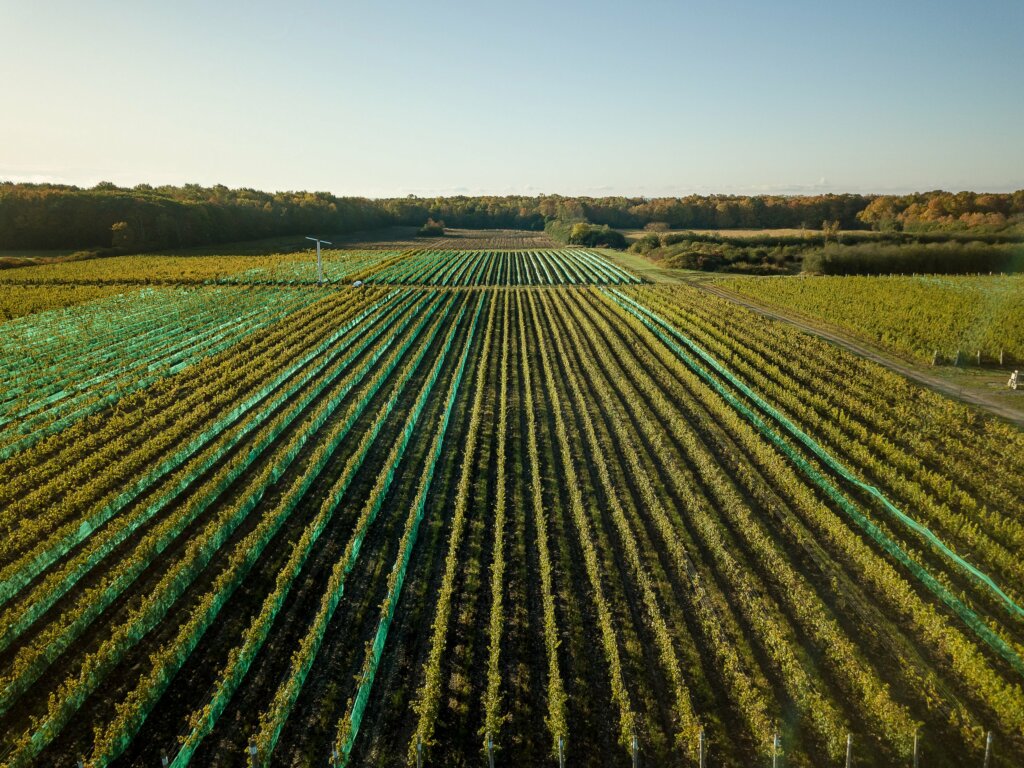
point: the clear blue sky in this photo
(392, 98)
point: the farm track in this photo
(608, 546)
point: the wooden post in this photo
(917, 759)
(978, 357)
(988, 750)
(775, 750)
(935, 358)
(700, 750)
(636, 753)
(419, 753)
(561, 752)
(957, 360)
(490, 751)
(849, 750)
(1002, 357)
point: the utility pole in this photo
(319, 264)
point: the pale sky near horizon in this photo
(637, 98)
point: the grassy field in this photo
(490, 497)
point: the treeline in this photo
(938, 210)
(847, 253)
(692, 212)
(588, 235)
(151, 218)
(950, 258)
(945, 212)
(143, 217)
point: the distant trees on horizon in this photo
(144, 217)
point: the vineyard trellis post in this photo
(419, 752)
(849, 750)
(988, 750)
(319, 263)
(636, 752)
(561, 752)
(775, 750)
(164, 760)
(490, 751)
(700, 749)
(917, 758)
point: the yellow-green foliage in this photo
(301, 267)
(21, 300)
(912, 315)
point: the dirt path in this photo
(965, 391)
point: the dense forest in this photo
(151, 218)
(43, 216)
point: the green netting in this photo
(657, 326)
(98, 553)
(227, 687)
(59, 546)
(120, 388)
(127, 575)
(292, 499)
(175, 314)
(612, 273)
(402, 564)
(52, 724)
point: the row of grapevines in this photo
(348, 726)
(556, 703)
(241, 657)
(428, 697)
(718, 631)
(687, 723)
(91, 602)
(885, 469)
(496, 625)
(97, 496)
(273, 719)
(131, 712)
(962, 657)
(609, 638)
(199, 551)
